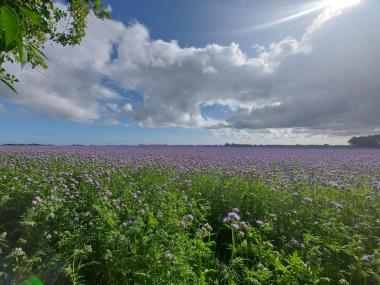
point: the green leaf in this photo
(9, 23)
(8, 84)
(36, 49)
(32, 280)
(34, 17)
(22, 52)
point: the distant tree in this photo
(365, 141)
(26, 25)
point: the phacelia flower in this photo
(169, 256)
(190, 217)
(37, 200)
(366, 258)
(231, 216)
(235, 226)
(336, 205)
(308, 200)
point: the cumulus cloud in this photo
(325, 81)
(306, 83)
(71, 87)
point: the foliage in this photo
(26, 25)
(365, 141)
(80, 219)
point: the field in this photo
(189, 215)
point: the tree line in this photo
(365, 141)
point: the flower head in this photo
(235, 226)
(366, 258)
(159, 215)
(231, 216)
(336, 205)
(308, 200)
(37, 200)
(169, 256)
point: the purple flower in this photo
(190, 217)
(366, 258)
(232, 216)
(259, 223)
(169, 256)
(37, 200)
(206, 228)
(97, 185)
(294, 242)
(336, 205)
(308, 200)
(235, 226)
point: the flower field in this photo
(189, 215)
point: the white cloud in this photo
(284, 136)
(72, 85)
(128, 107)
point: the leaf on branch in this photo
(31, 15)
(8, 84)
(36, 49)
(9, 23)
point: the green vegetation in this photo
(66, 222)
(26, 25)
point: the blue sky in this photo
(206, 72)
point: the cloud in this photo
(283, 136)
(71, 88)
(333, 88)
(325, 81)
(317, 82)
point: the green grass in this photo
(157, 226)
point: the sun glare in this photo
(341, 4)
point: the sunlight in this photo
(340, 4)
(323, 5)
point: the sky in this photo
(206, 72)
